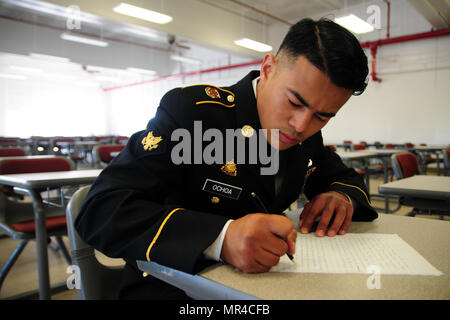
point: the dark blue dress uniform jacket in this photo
(144, 207)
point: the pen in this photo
(263, 207)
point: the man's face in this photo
(296, 98)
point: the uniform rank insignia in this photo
(151, 142)
(212, 93)
(229, 168)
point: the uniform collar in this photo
(245, 99)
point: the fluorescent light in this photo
(26, 69)
(253, 45)
(142, 71)
(48, 57)
(354, 24)
(184, 59)
(141, 13)
(93, 42)
(12, 76)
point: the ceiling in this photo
(225, 16)
(211, 24)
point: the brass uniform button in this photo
(215, 200)
(145, 274)
(230, 98)
(247, 131)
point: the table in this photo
(428, 191)
(429, 237)
(359, 155)
(434, 149)
(31, 184)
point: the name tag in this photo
(222, 189)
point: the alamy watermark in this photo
(374, 281)
(73, 17)
(223, 148)
(74, 280)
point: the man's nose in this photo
(301, 119)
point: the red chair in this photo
(102, 154)
(405, 165)
(17, 217)
(9, 142)
(358, 147)
(12, 152)
(389, 146)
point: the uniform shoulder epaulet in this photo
(207, 93)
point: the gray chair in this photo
(96, 280)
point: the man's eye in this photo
(319, 118)
(295, 104)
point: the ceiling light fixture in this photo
(92, 42)
(253, 45)
(354, 24)
(141, 13)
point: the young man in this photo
(149, 205)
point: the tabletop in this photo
(359, 154)
(429, 237)
(422, 186)
(49, 179)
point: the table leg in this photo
(41, 245)
(385, 171)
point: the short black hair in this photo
(332, 49)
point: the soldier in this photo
(149, 205)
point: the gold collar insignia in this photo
(151, 142)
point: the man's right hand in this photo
(255, 242)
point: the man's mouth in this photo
(288, 139)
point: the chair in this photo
(356, 147)
(17, 217)
(405, 165)
(446, 153)
(96, 280)
(12, 152)
(102, 154)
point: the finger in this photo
(267, 259)
(279, 225)
(325, 219)
(341, 213)
(292, 238)
(347, 221)
(275, 245)
(304, 214)
(314, 211)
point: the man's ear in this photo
(268, 66)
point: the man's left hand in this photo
(327, 205)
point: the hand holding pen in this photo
(263, 207)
